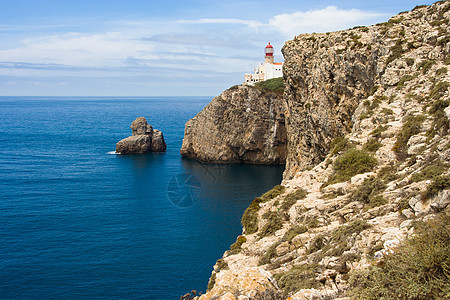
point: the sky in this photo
(158, 48)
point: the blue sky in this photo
(157, 48)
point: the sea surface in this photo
(78, 221)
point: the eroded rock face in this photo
(144, 139)
(242, 125)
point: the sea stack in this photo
(144, 139)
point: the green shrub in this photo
(275, 85)
(350, 163)
(274, 223)
(236, 247)
(368, 192)
(418, 269)
(292, 198)
(388, 174)
(276, 191)
(293, 232)
(387, 111)
(211, 282)
(343, 232)
(339, 144)
(441, 71)
(429, 172)
(372, 145)
(250, 218)
(411, 126)
(297, 278)
(426, 65)
(221, 264)
(438, 89)
(439, 183)
(269, 254)
(396, 51)
(376, 133)
(405, 79)
(440, 122)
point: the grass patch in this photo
(274, 223)
(440, 122)
(293, 232)
(236, 247)
(438, 89)
(292, 198)
(343, 232)
(274, 85)
(441, 71)
(376, 133)
(426, 65)
(388, 174)
(368, 192)
(340, 144)
(396, 51)
(429, 172)
(297, 278)
(276, 191)
(269, 254)
(372, 145)
(404, 79)
(250, 218)
(418, 269)
(438, 184)
(350, 163)
(411, 126)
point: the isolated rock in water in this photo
(144, 139)
(158, 144)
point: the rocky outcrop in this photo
(242, 125)
(328, 75)
(144, 139)
(348, 204)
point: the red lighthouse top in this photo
(269, 50)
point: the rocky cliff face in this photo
(243, 125)
(368, 158)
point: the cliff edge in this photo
(242, 125)
(363, 211)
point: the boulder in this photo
(144, 139)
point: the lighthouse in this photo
(269, 54)
(267, 70)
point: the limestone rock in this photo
(134, 144)
(143, 139)
(242, 125)
(158, 144)
(247, 282)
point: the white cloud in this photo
(330, 18)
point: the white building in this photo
(266, 70)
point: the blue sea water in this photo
(77, 221)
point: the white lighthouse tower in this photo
(267, 70)
(269, 54)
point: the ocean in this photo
(78, 221)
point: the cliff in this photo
(363, 210)
(243, 125)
